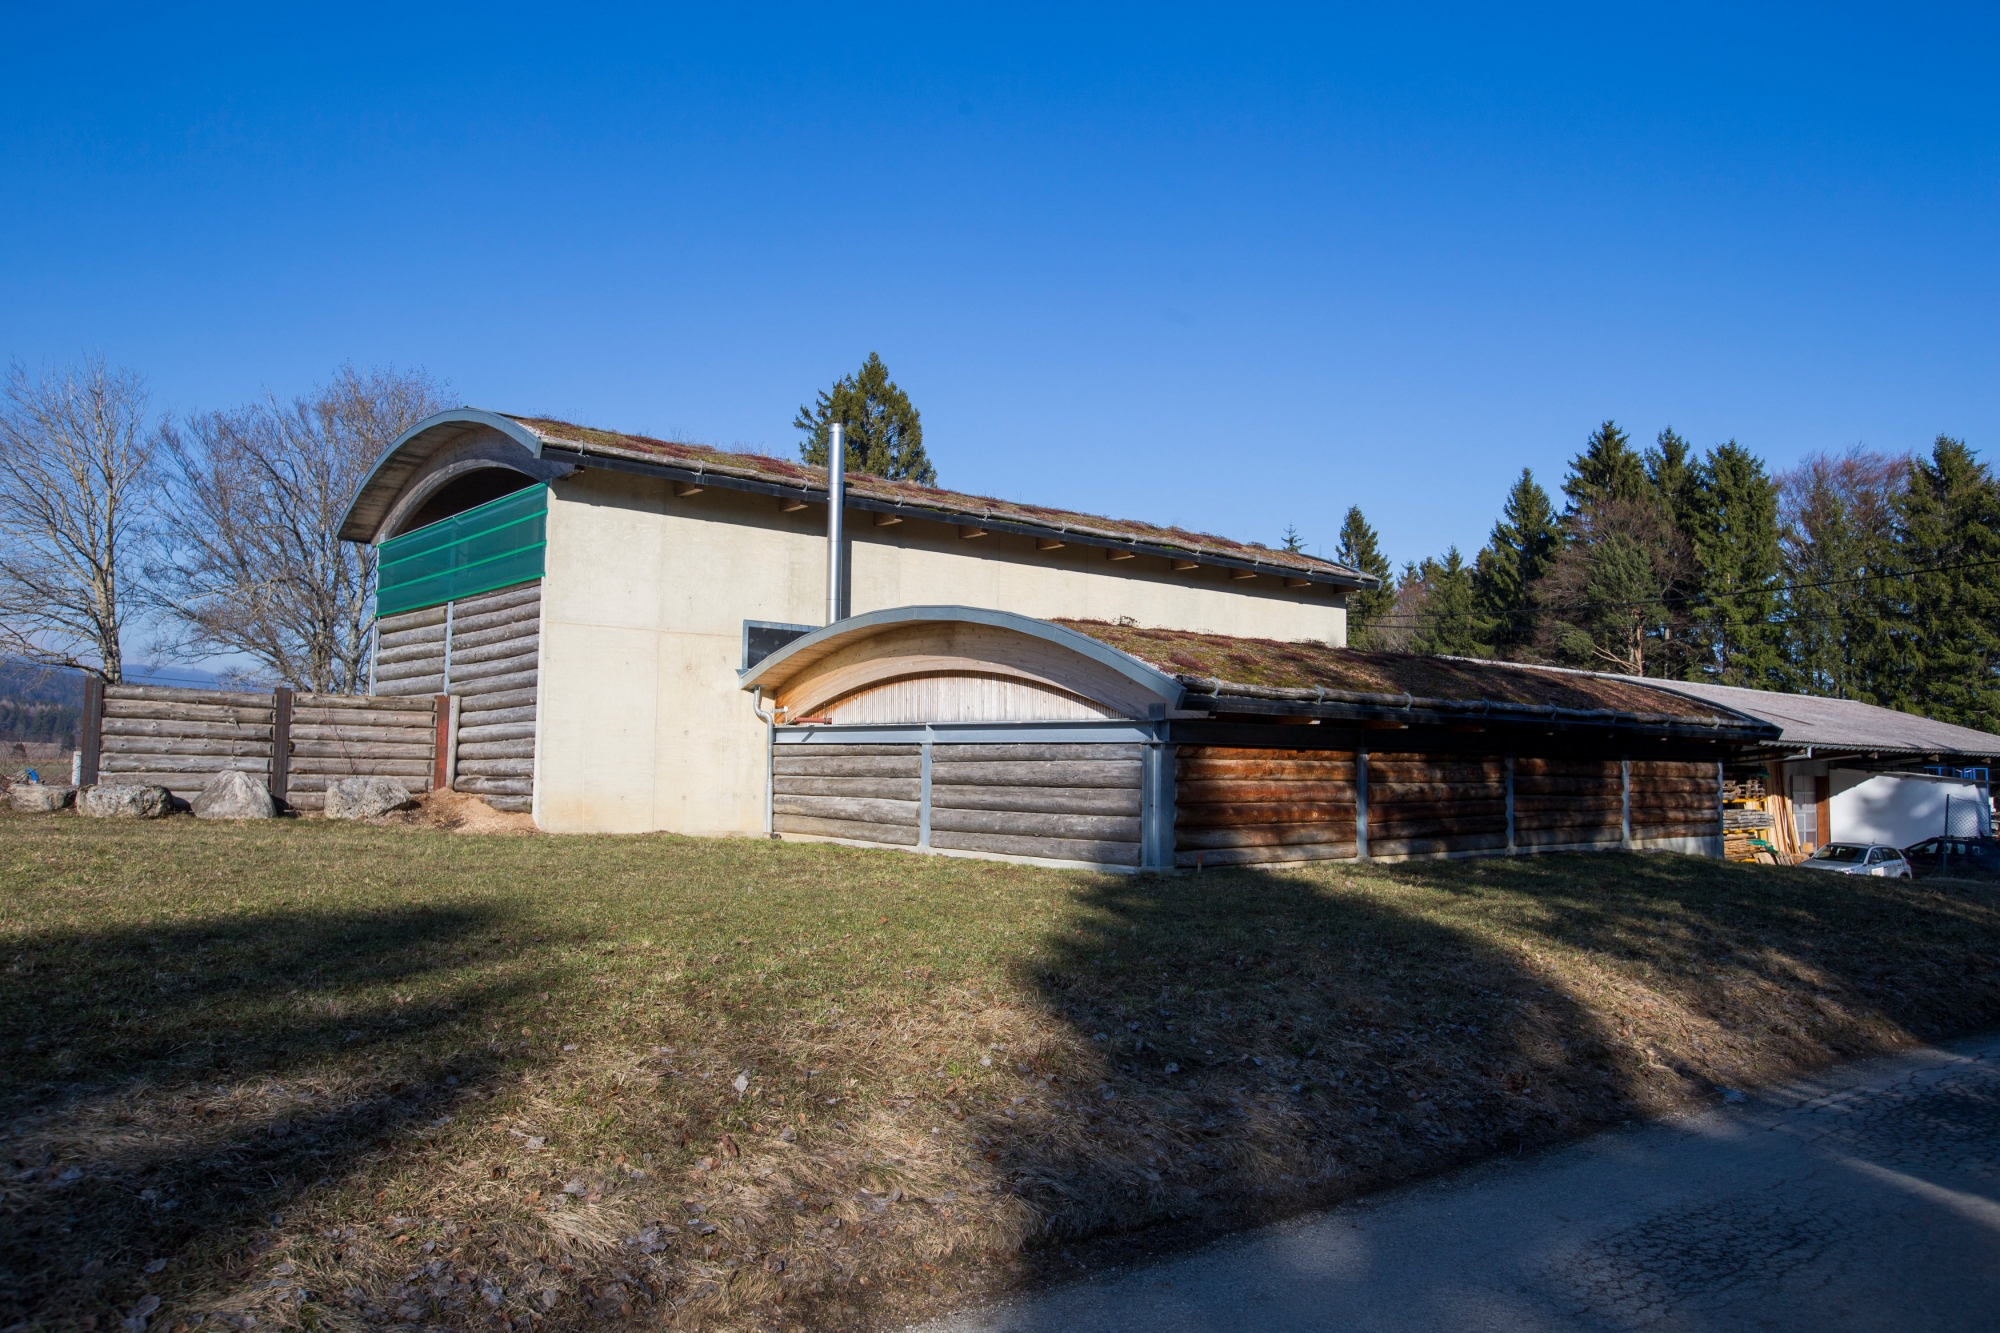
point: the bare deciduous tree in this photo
(76, 497)
(251, 560)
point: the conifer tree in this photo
(1607, 469)
(885, 435)
(1517, 555)
(1948, 540)
(1837, 534)
(1361, 549)
(1737, 559)
(1448, 621)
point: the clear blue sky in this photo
(1214, 267)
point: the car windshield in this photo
(1840, 851)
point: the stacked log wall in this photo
(485, 651)
(337, 736)
(180, 739)
(1568, 803)
(1675, 800)
(1058, 802)
(861, 793)
(1239, 806)
(1429, 805)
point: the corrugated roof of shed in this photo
(1839, 723)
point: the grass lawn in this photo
(330, 1076)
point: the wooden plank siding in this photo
(1241, 806)
(1675, 800)
(1421, 805)
(484, 650)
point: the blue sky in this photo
(1215, 267)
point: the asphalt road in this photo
(1867, 1198)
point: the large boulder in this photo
(116, 801)
(36, 798)
(365, 798)
(234, 795)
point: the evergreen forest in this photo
(1862, 575)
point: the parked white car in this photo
(1860, 858)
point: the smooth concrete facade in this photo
(641, 726)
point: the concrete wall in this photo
(1900, 809)
(641, 726)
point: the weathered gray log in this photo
(38, 798)
(523, 624)
(1265, 835)
(502, 702)
(359, 750)
(1047, 849)
(495, 723)
(894, 835)
(508, 674)
(143, 710)
(517, 805)
(882, 789)
(126, 729)
(508, 684)
(1037, 824)
(481, 603)
(1206, 858)
(1008, 752)
(184, 745)
(1052, 800)
(1064, 773)
(860, 809)
(362, 735)
(400, 768)
(178, 763)
(414, 686)
(497, 768)
(849, 751)
(523, 748)
(165, 694)
(501, 650)
(393, 673)
(392, 640)
(384, 715)
(484, 786)
(889, 766)
(432, 651)
(429, 615)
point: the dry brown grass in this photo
(354, 1077)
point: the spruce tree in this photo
(885, 435)
(1737, 561)
(1948, 542)
(1361, 550)
(1448, 622)
(1607, 469)
(1516, 557)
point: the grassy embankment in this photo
(559, 1082)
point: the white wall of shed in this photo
(1899, 809)
(641, 725)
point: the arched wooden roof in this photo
(903, 643)
(432, 453)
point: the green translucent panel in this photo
(497, 544)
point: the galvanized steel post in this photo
(836, 502)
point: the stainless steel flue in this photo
(836, 503)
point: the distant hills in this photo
(39, 703)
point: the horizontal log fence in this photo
(296, 743)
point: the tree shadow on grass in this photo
(168, 1088)
(1257, 1043)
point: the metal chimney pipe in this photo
(836, 504)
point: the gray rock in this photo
(234, 795)
(113, 801)
(36, 798)
(365, 798)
